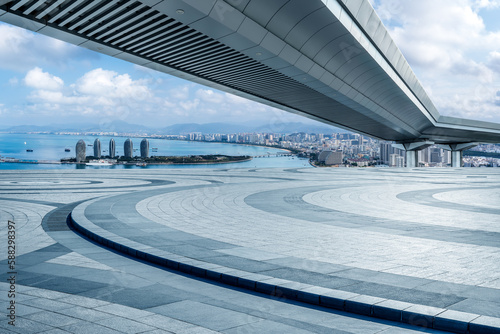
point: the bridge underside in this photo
(329, 60)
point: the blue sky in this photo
(46, 81)
(452, 45)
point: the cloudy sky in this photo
(452, 45)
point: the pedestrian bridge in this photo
(329, 60)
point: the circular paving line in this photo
(91, 224)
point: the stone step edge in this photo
(385, 309)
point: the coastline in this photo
(54, 162)
(49, 149)
(195, 163)
(242, 144)
(225, 142)
(165, 163)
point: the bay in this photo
(52, 147)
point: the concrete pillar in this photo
(457, 159)
(411, 159)
(457, 152)
(412, 151)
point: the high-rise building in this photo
(111, 148)
(435, 155)
(423, 155)
(386, 150)
(97, 148)
(446, 157)
(80, 151)
(128, 149)
(400, 161)
(395, 160)
(144, 148)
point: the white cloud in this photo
(235, 99)
(37, 78)
(434, 33)
(111, 85)
(104, 95)
(97, 92)
(489, 4)
(494, 61)
(208, 95)
(21, 50)
(52, 97)
(189, 104)
(167, 104)
(451, 51)
(180, 93)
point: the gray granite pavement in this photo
(410, 245)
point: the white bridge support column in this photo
(457, 152)
(412, 159)
(412, 151)
(457, 159)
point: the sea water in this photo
(51, 147)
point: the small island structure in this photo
(196, 159)
(144, 159)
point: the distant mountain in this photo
(294, 127)
(179, 129)
(119, 126)
(238, 128)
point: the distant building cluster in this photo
(337, 149)
(128, 149)
(354, 149)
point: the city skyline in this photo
(354, 149)
(47, 81)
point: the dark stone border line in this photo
(426, 197)
(407, 313)
(56, 204)
(421, 230)
(152, 183)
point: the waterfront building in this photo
(97, 148)
(331, 158)
(80, 151)
(144, 148)
(322, 156)
(111, 148)
(128, 149)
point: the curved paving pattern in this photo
(419, 246)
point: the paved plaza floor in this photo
(252, 251)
